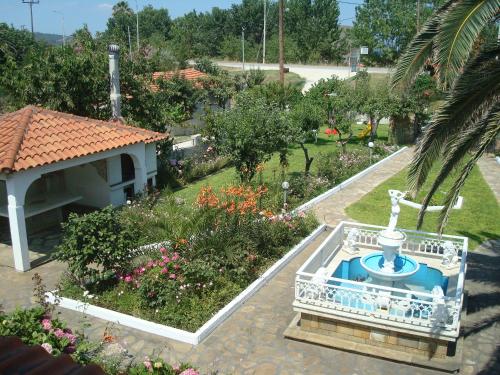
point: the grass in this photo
(274, 75)
(272, 169)
(478, 219)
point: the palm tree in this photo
(467, 67)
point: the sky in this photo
(48, 14)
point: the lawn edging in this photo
(192, 338)
(344, 184)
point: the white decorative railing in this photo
(382, 304)
(416, 242)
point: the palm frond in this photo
(489, 136)
(459, 29)
(456, 151)
(475, 91)
(417, 52)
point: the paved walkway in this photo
(251, 340)
(490, 170)
(332, 210)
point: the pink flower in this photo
(128, 279)
(59, 333)
(71, 338)
(164, 271)
(175, 256)
(47, 347)
(172, 276)
(189, 371)
(163, 250)
(165, 258)
(147, 363)
(47, 324)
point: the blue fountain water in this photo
(402, 263)
(424, 280)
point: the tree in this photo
(386, 27)
(121, 19)
(453, 40)
(338, 100)
(250, 133)
(371, 99)
(306, 117)
(313, 25)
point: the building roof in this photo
(34, 136)
(18, 358)
(190, 74)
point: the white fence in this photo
(384, 305)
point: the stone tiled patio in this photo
(251, 340)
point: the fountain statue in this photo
(352, 241)
(391, 265)
(396, 196)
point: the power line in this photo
(31, 2)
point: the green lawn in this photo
(272, 169)
(274, 75)
(478, 219)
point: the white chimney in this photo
(114, 75)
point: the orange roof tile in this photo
(190, 74)
(35, 136)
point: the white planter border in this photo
(178, 334)
(347, 182)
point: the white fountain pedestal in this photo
(391, 241)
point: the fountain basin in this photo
(404, 266)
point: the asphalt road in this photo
(311, 73)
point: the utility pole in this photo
(62, 26)
(418, 15)
(31, 2)
(243, 46)
(129, 44)
(264, 34)
(137, 23)
(282, 42)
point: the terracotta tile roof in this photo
(34, 136)
(190, 74)
(18, 358)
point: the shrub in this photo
(96, 245)
(34, 327)
(337, 167)
(158, 366)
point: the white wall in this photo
(85, 181)
(151, 158)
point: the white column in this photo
(17, 225)
(138, 154)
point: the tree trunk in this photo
(308, 159)
(374, 124)
(400, 130)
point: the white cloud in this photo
(105, 6)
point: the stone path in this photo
(251, 340)
(490, 170)
(331, 210)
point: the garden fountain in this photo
(390, 265)
(386, 291)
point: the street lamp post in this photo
(62, 26)
(137, 23)
(285, 186)
(243, 46)
(370, 146)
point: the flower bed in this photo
(37, 326)
(215, 251)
